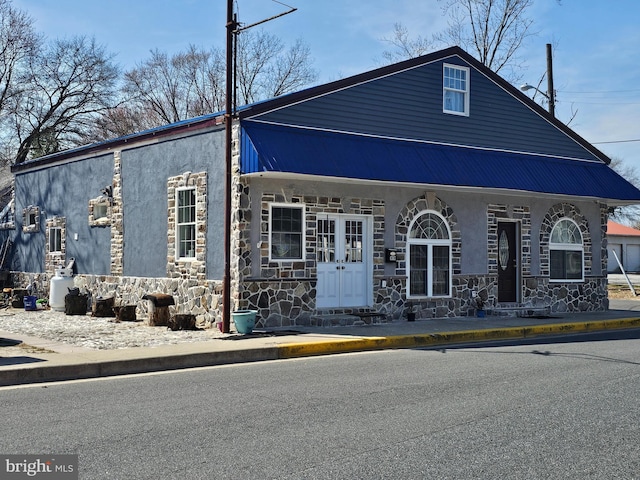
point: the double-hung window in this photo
(429, 246)
(286, 232)
(566, 251)
(186, 223)
(55, 240)
(455, 83)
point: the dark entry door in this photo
(507, 262)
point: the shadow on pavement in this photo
(19, 360)
(623, 334)
(261, 334)
(9, 342)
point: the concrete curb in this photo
(52, 372)
(294, 350)
(108, 368)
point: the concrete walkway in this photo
(45, 361)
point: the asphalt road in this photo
(541, 410)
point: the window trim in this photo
(94, 205)
(302, 208)
(194, 223)
(28, 226)
(448, 242)
(567, 247)
(57, 231)
(466, 92)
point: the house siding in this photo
(284, 292)
(64, 191)
(133, 252)
(409, 105)
(145, 172)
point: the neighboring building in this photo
(624, 243)
(425, 183)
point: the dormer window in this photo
(455, 94)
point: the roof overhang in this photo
(296, 177)
(285, 151)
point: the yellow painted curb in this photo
(324, 347)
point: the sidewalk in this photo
(40, 360)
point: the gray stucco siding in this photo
(64, 191)
(409, 105)
(145, 172)
(470, 209)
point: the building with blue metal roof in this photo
(431, 187)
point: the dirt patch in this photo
(31, 349)
(623, 292)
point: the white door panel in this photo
(343, 254)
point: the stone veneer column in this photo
(117, 220)
(498, 212)
(240, 243)
(52, 260)
(553, 216)
(192, 268)
(460, 295)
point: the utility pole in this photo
(551, 94)
(226, 282)
(233, 28)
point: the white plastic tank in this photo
(59, 287)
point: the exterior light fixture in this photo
(550, 95)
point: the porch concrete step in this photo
(346, 319)
(518, 310)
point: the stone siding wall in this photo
(190, 268)
(53, 260)
(117, 218)
(200, 298)
(285, 292)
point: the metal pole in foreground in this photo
(226, 283)
(550, 91)
(232, 29)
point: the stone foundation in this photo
(283, 303)
(200, 298)
(291, 303)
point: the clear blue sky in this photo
(596, 55)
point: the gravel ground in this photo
(105, 334)
(95, 332)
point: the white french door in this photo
(343, 260)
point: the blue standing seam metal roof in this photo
(277, 148)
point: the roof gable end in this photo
(405, 101)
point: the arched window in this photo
(566, 251)
(429, 247)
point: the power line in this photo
(598, 91)
(617, 141)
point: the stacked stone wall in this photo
(200, 298)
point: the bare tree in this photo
(266, 69)
(167, 89)
(491, 30)
(66, 85)
(18, 43)
(404, 46)
(629, 214)
(170, 89)
(119, 121)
